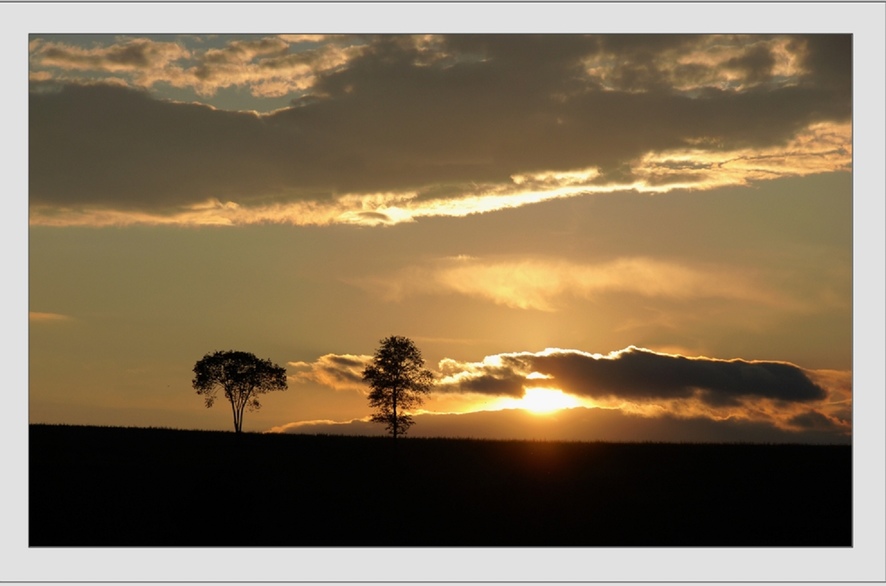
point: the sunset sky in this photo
(603, 237)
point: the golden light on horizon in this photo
(542, 400)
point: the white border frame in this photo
(862, 562)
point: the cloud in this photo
(337, 371)
(544, 284)
(47, 317)
(393, 128)
(815, 420)
(137, 56)
(328, 426)
(581, 424)
(709, 62)
(638, 373)
(488, 377)
(269, 66)
(635, 381)
(652, 384)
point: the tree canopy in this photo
(398, 382)
(242, 376)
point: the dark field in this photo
(94, 486)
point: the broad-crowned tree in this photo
(398, 382)
(241, 376)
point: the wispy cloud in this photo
(709, 62)
(349, 427)
(268, 66)
(138, 56)
(47, 317)
(545, 284)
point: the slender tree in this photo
(242, 376)
(398, 382)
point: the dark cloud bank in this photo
(476, 109)
(637, 373)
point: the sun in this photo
(541, 400)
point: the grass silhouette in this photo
(111, 486)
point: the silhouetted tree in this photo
(398, 382)
(242, 376)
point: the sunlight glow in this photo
(542, 400)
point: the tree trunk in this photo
(238, 417)
(396, 421)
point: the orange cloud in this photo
(544, 284)
(47, 317)
(265, 65)
(731, 63)
(135, 55)
(364, 426)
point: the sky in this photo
(589, 237)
